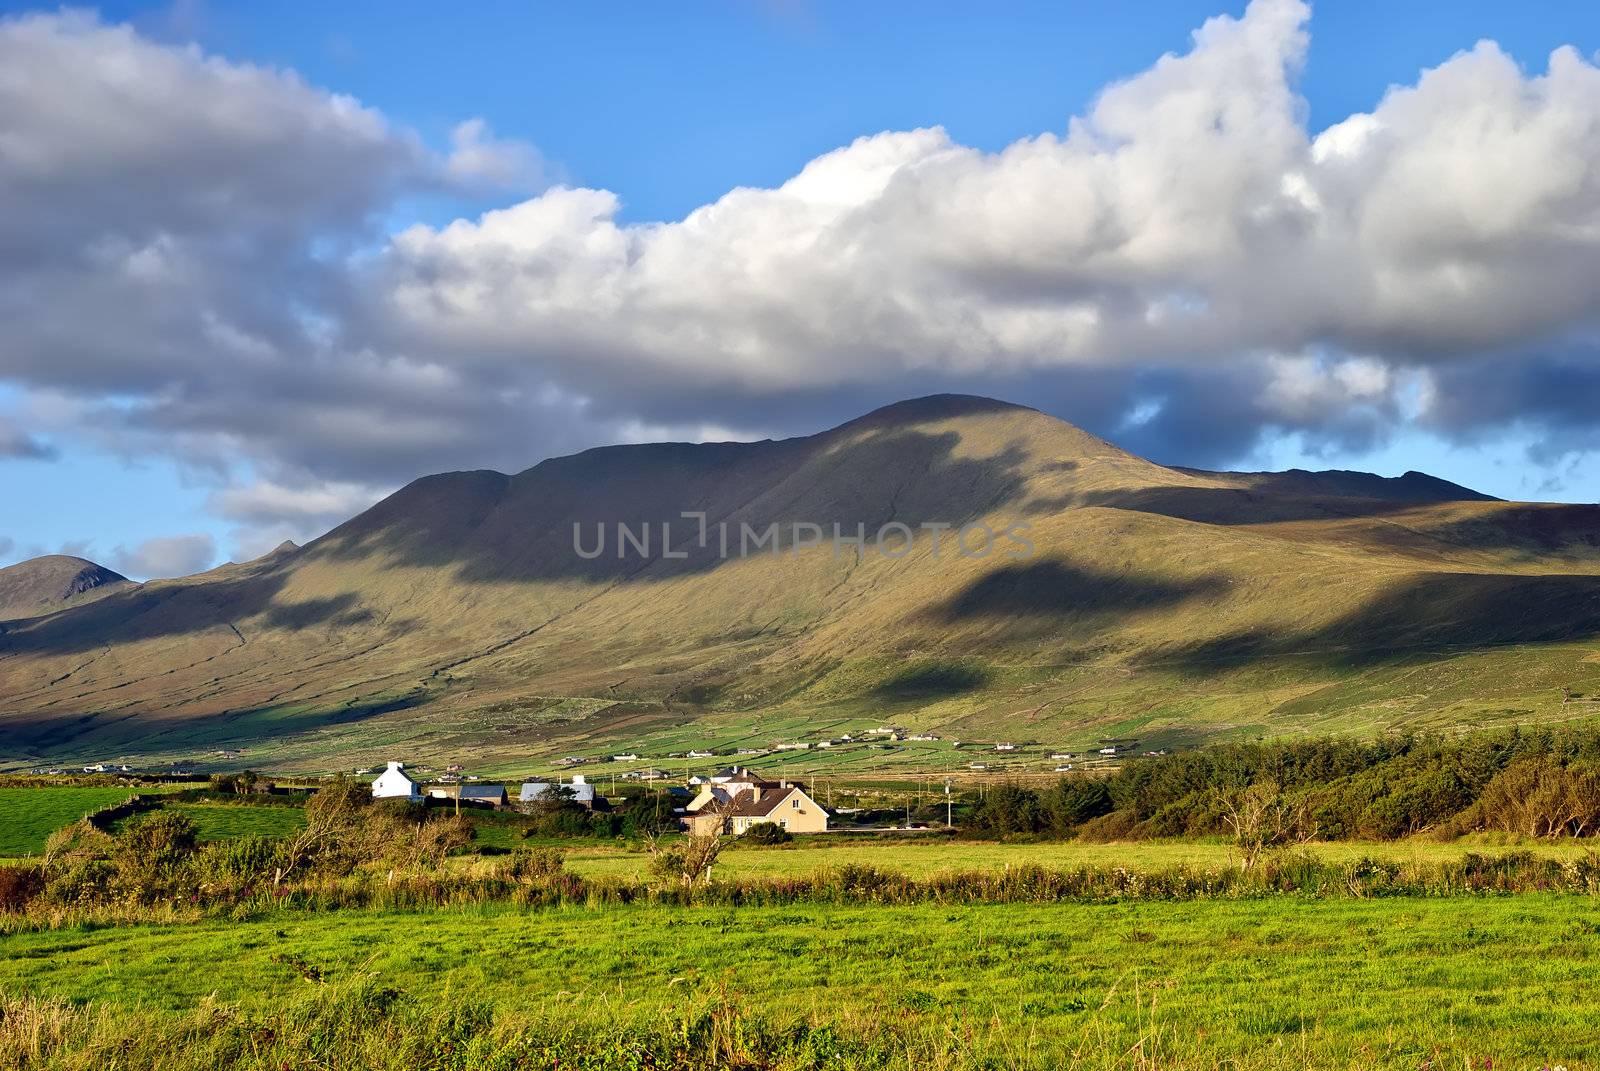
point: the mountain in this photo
(44, 585)
(468, 614)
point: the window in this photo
(795, 803)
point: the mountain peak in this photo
(43, 585)
(938, 407)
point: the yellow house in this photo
(734, 808)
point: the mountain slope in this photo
(460, 615)
(44, 585)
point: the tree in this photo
(689, 860)
(1073, 801)
(1008, 808)
(1260, 818)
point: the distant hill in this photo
(457, 618)
(45, 585)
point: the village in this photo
(730, 801)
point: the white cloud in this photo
(190, 264)
(478, 158)
(168, 556)
(315, 503)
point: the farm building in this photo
(395, 783)
(483, 795)
(579, 791)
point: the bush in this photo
(244, 857)
(19, 886)
(149, 851)
(767, 833)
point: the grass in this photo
(921, 859)
(224, 821)
(29, 815)
(1141, 985)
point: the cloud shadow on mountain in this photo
(1435, 613)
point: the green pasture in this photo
(28, 815)
(1461, 983)
(922, 858)
(225, 821)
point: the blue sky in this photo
(672, 106)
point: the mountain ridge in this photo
(1187, 602)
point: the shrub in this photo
(767, 833)
(149, 851)
(19, 886)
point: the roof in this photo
(482, 792)
(536, 790)
(745, 805)
(395, 769)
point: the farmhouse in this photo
(746, 799)
(395, 783)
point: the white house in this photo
(395, 783)
(579, 791)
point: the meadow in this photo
(1464, 982)
(920, 859)
(168, 942)
(28, 815)
(225, 821)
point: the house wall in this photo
(808, 817)
(394, 784)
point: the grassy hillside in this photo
(455, 621)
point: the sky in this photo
(262, 264)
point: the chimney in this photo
(577, 779)
(397, 766)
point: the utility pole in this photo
(948, 824)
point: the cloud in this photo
(316, 503)
(478, 158)
(18, 444)
(168, 556)
(194, 265)
(1188, 229)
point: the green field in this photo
(29, 815)
(920, 859)
(1256, 984)
(224, 821)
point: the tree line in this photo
(1532, 782)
